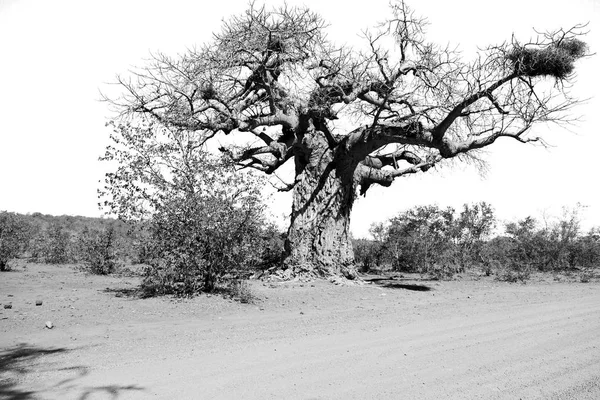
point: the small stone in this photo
(49, 325)
(8, 306)
(38, 302)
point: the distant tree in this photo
(474, 225)
(349, 118)
(365, 254)
(422, 239)
(14, 237)
(552, 245)
(586, 251)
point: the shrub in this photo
(196, 241)
(585, 277)
(97, 249)
(240, 290)
(514, 273)
(201, 221)
(419, 237)
(366, 254)
(586, 250)
(433, 241)
(270, 247)
(53, 245)
(13, 237)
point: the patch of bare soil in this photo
(385, 339)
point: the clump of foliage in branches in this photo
(14, 236)
(202, 221)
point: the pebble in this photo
(38, 302)
(49, 325)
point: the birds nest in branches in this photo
(554, 60)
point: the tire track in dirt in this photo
(537, 351)
(462, 340)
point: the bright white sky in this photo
(56, 55)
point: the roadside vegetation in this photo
(216, 245)
(441, 242)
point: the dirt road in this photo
(402, 339)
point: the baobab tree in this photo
(349, 118)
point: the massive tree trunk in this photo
(319, 242)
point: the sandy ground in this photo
(393, 339)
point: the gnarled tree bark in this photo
(318, 240)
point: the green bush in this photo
(514, 273)
(200, 220)
(14, 237)
(54, 245)
(197, 241)
(430, 240)
(240, 289)
(98, 250)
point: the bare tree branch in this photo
(275, 68)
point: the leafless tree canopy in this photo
(413, 103)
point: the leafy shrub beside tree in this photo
(196, 241)
(201, 222)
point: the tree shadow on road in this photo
(113, 390)
(16, 362)
(19, 361)
(133, 292)
(393, 283)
